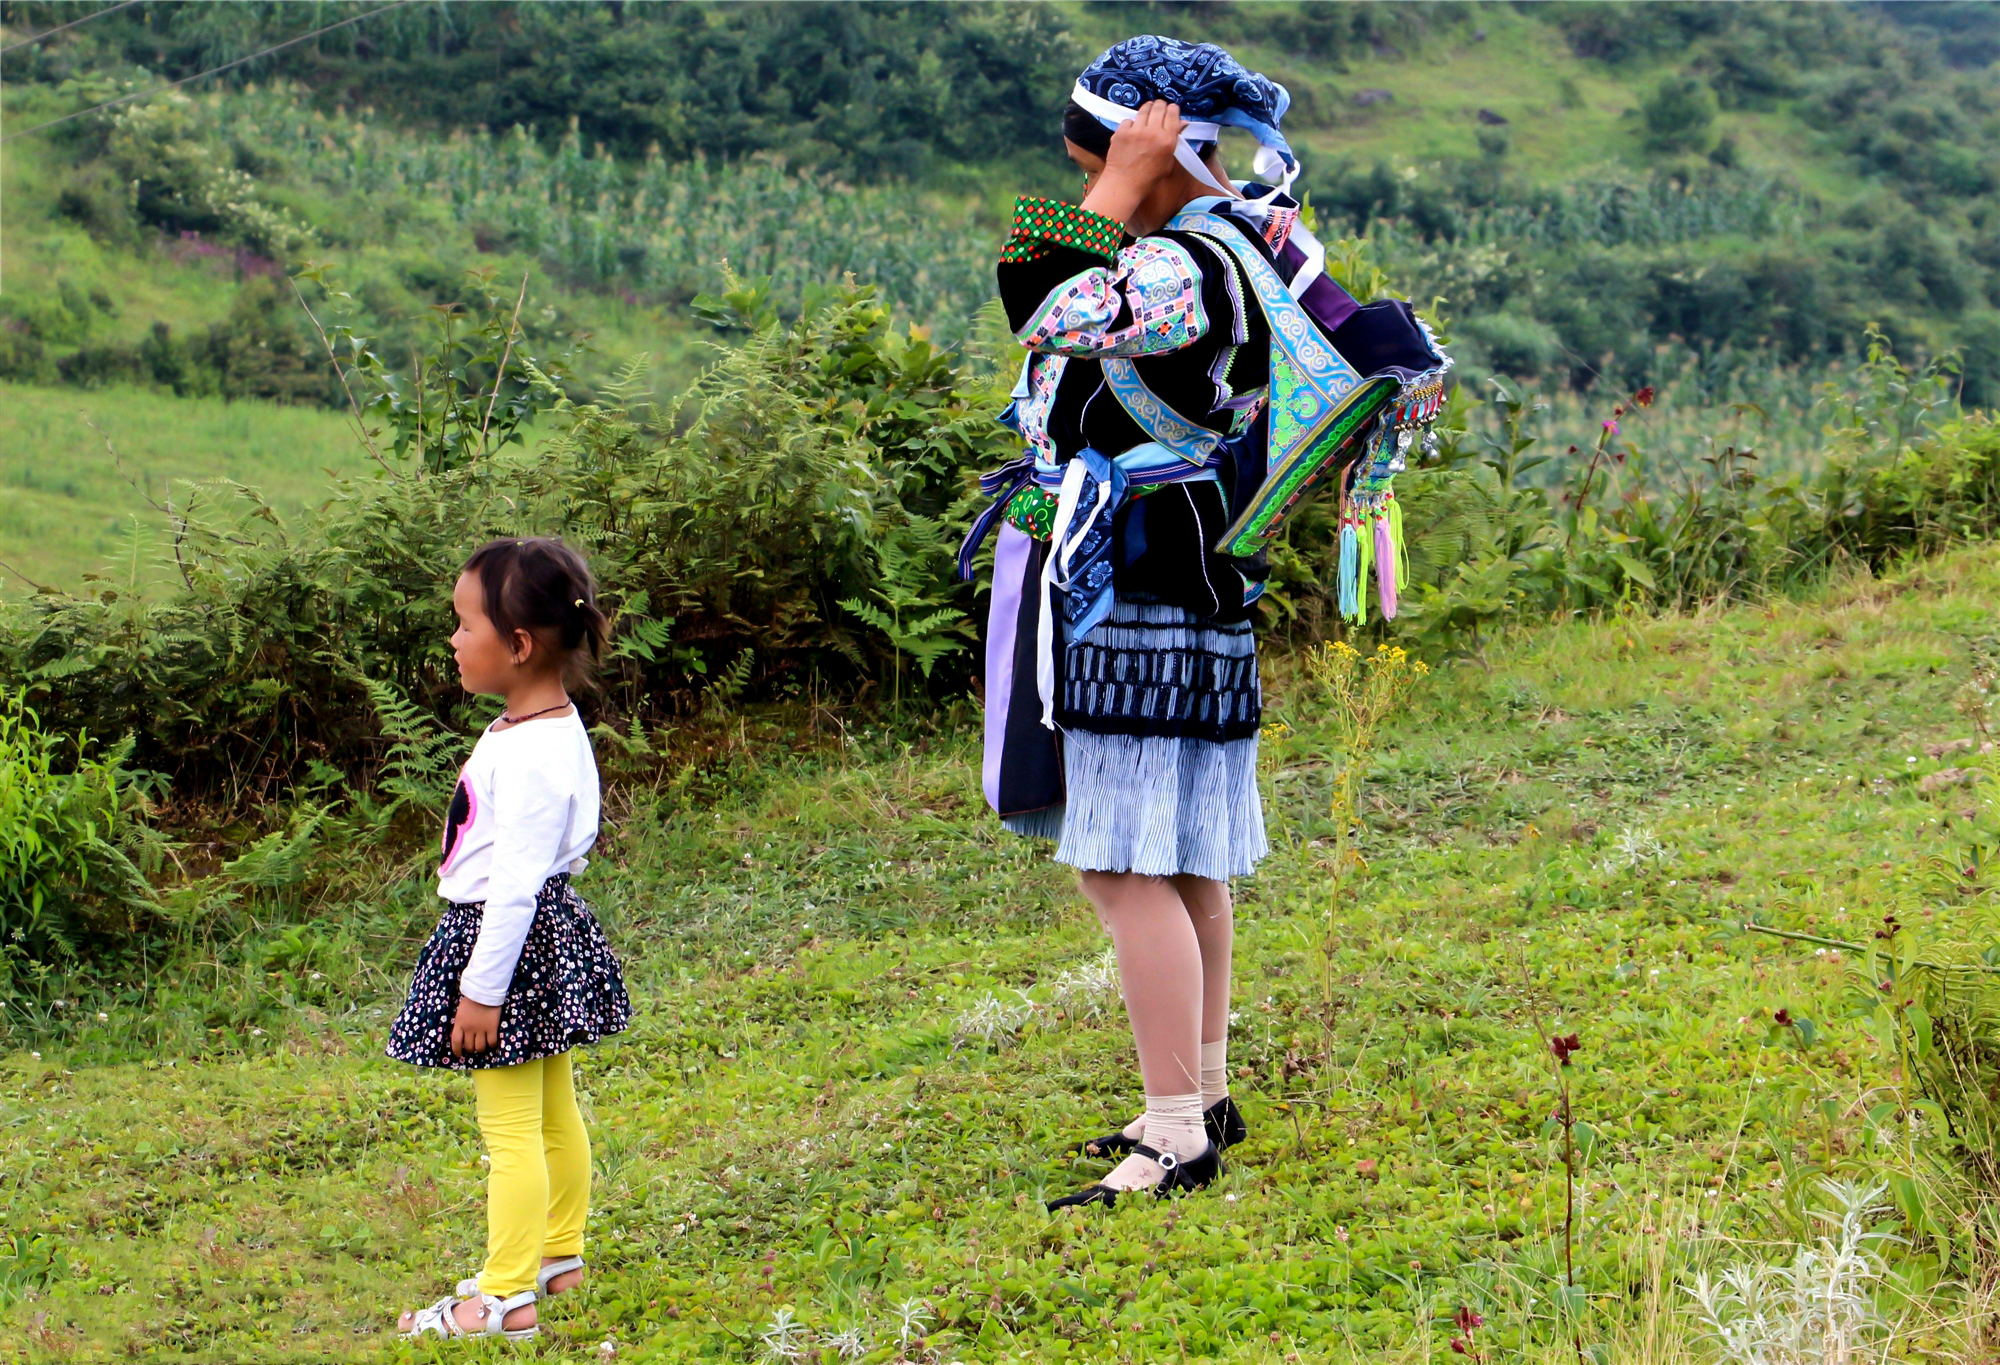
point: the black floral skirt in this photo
(567, 987)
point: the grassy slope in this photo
(40, 247)
(788, 1124)
(67, 508)
(1441, 80)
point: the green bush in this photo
(93, 197)
(182, 181)
(785, 527)
(67, 837)
(1979, 349)
(261, 350)
(1680, 116)
(1512, 344)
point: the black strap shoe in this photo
(1224, 1122)
(1196, 1173)
(1110, 1145)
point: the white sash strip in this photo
(1052, 578)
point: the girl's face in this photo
(487, 662)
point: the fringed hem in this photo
(1159, 806)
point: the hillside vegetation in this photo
(870, 1018)
(1594, 192)
(92, 479)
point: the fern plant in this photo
(68, 836)
(919, 622)
(421, 765)
(281, 859)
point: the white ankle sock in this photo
(1173, 1124)
(1214, 1073)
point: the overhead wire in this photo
(169, 85)
(63, 28)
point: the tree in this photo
(1680, 116)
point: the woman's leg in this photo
(566, 1149)
(1209, 908)
(1159, 966)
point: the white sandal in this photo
(468, 1287)
(439, 1320)
(552, 1270)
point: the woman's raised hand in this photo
(1142, 148)
(1141, 154)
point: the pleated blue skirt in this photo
(1163, 805)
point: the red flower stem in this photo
(1589, 476)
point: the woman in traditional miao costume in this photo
(1122, 692)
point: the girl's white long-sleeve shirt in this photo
(526, 808)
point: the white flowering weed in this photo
(1088, 989)
(993, 1019)
(1818, 1310)
(1635, 846)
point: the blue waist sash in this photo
(1142, 466)
(1175, 454)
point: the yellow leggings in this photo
(538, 1189)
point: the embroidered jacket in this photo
(1178, 307)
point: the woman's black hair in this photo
(542, 586)
(1082, 127)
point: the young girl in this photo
(518, 971)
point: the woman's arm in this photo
(1070, 283)
(1144, 299)
(1141, 155)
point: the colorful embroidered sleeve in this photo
(1145, 302)
(1042, 224)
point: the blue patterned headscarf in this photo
(1208, 84)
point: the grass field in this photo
(867, 1025)
(1565, 115)
(70, 507)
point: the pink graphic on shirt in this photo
(458, 819)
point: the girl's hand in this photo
(475, 1028)
(1140, 155)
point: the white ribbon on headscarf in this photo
(1107, 112)
(1270, 167)
(1269, 163)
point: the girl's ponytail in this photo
(589, 629)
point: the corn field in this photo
(655, 231)
(1705, 406)
(1610, 212)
